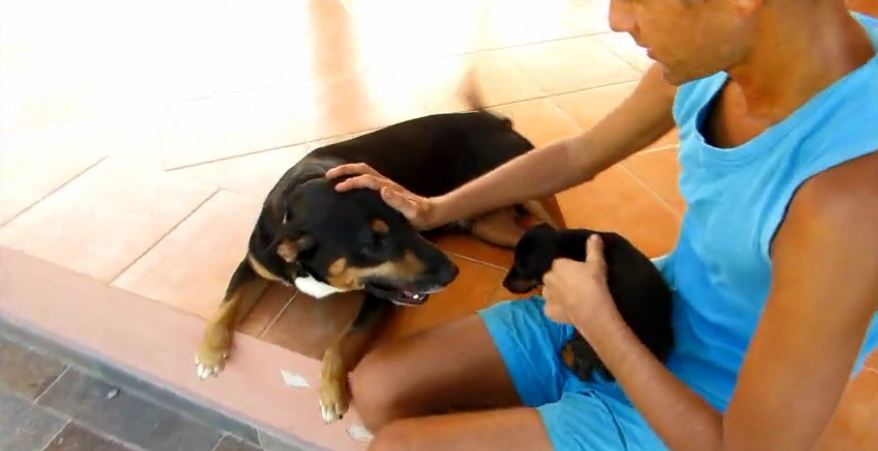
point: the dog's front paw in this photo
(212, 352)
(334, 400)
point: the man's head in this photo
(691, 39)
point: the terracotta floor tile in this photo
(267, 309)
(190, 268)
(34, 162)
(853, 425)
(507, 24)
(591, 15)
(425, 29)
(473, 248)
(227, 125)
(32, 166)
(623, 45)
(616, 201)
(660, 170)
(541, 121)
(437, 83)
(588, 107)
(106, 218)
(250, 175)
(572, 64)
(354, 103)
(309, 326)
(471, 291)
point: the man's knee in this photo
(373, 392)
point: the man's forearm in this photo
(680, 417)
(638, 121)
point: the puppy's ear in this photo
(289, 248)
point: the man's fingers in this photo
(399, 202)
(351, 169)
(360, 181)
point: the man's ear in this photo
(290, 247)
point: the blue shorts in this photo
(578, 415)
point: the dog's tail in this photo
(471, 93)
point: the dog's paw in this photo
(209, 363)
(212, 352)
(334, 401)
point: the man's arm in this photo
(641, 119)
(823, 296)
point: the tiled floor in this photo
(137, 139)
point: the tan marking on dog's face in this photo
(353, 278)
(261, 270)
(380, 226)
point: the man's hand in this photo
(420, 211)
(578, 291)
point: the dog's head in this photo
(537, 249)
(333, 242)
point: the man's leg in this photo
(455, 366)
(503, 430)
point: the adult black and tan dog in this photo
(638, 289)
(324, 241)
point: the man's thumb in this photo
(594, 248)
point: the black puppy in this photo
(638, 289)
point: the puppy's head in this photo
(534, 254)
(334, 242)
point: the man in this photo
(775, 271)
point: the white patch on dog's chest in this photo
(315, 288)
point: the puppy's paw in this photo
(212, 352)
(334, 401)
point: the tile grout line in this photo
(161, 238)
(220, 440)
(55, 436)
(656, 195)
(279, 313)
(475, 260)
(544, 96)
(55, 190)
(38, 398)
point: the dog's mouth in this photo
(397, 295)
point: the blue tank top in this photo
(736, 199)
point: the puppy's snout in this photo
(517, 285)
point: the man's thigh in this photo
(501, 430)
(576, 422)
